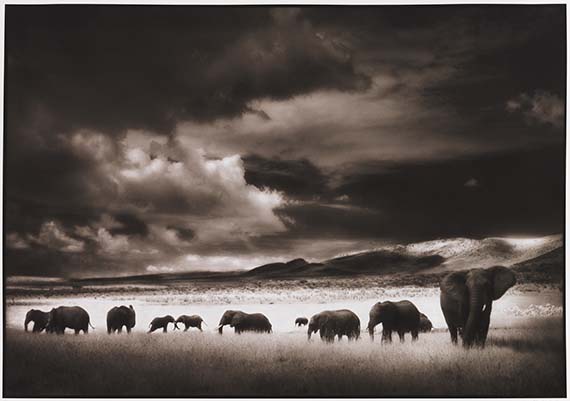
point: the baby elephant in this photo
(301, 321)
(160, 322)
(189, 321)
(402, 317)
(39, 318)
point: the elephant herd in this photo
(466, 299)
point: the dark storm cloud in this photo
(186, 234)
(113, 67)
(129, 225)
(297, 178)
(155, 138)
(520, 193)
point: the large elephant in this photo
(39, 318)
(72, 317)
(242, 321)
(339, 323)
(120, 316)
(401, 317)
(425, 324)
(160, 323)
(189, 321)
(466, 299)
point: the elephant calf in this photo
(39, 318)
(425, 324)
(189, 321)
(242, 321)
(120, 316)
(160, 322)
(339, 323)
(301, 321)
(402, 317)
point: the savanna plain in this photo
(524, 355)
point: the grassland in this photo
(523, 361)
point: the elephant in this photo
(39, 318)
(401, 316)
(160, 322)
(189, 321)
(425, 324)
(301, 321)
(73, 317)
(466, 299)
(120, 316)
(339, 323)
(242, 321)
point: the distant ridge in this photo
(537, 256)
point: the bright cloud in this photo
(53, 236)
(542, 107)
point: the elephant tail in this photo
(91, 325)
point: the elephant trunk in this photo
(26, 323)
(220, 328)
(476, 302)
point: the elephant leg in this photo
(120, 330)
(453, 334)
(401, 334)
(164, 329)
(128, 330)
(77, 331)
(415, 335)
(186, 328)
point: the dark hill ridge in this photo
(375, 262)
(546, 268)
(536, 259)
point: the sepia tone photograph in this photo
(284, 201)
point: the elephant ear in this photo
(503, 278)
(236, 319)
(453, 285)
(323, 320)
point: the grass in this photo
(526, 361)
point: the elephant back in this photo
(74, 317)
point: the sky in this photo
(151, 139)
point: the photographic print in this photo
(284, 201)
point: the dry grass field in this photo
(522, 361)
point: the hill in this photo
(537, 259)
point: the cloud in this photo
(129, 225)
(112, 244)
(542, 107)
(185, 184)
(53, 236)
(471, 183)
(15, 241)
(204, 72)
